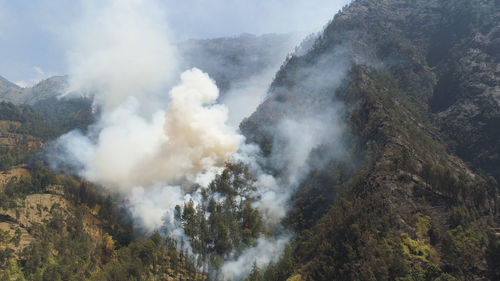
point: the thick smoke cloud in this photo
(146, 145)
(152, 148)
(154, 206)
(191, 137)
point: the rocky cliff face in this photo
(466, 98)
(445, 55)
(420, 98)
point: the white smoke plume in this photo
(154, 206)
(264, 252)
(152, 147)
(189, 138)
(154, 209)
(145, 143)
(294, 140)
(118, 49)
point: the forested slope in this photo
(412, 210)
(60, 227)
(402, 184)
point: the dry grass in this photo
(16, 172)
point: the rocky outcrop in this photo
(466, 101)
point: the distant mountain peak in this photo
(47, 88)
(6, 84)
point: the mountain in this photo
(394, 110)
(226, 60)
(6, 85)
(231, 60)
(58, 226)
(8, 90)
(420, 100)
(48, 88)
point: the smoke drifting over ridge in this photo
(304, 127)
(144, 139)
(152, 147)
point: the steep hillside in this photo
(24, 129)
(412, 210)
(395, 108)
(56, 227)
(231, 60)
(59, 227)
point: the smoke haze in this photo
(120, 49)
(152, 147)
(264, 252)
(146, 145)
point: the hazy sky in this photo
(34, 42)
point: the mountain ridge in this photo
(46, 88)
(404, 97)
(242, 56)
(413, 209)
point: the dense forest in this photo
(412, 210)
(414, 195)
(24, 128)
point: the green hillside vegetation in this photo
(58, 227)
(231, 226)
(25, 128)
(77, 233)
(414, 197)
(412, 210)
(399, 218)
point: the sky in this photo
(34, 33)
